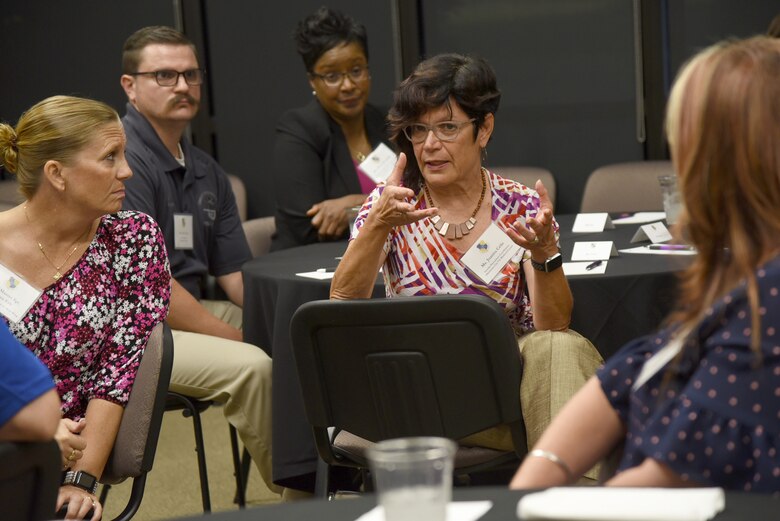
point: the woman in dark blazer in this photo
(319, 146)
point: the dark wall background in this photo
(566, 67)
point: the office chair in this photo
(30, 477)
(626, 187)
(528, 175)
(136, 440)
(376, 369)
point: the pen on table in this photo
(594, 264)
(670, 247)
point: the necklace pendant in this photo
(57, 276)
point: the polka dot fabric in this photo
(91, 326)
(716, 421)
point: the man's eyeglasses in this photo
(169, 77)
(444, 130)
(335, 79)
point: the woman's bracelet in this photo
(551, 456)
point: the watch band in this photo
(551, 264)
(81, 479)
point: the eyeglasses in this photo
(444, 130)
(335, 79)
(169, 77)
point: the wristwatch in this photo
(551, 264)
(81, 479)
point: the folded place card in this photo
(592, 223)
(654, 232)
(319, 274)
(378, 165)
(593, 251)
(623, 504)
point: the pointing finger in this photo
(397, 175)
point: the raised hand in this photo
(537, 235)
(392, 208)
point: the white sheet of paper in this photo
(16, 295)
(319, 274)
(488, 256)
(654, 232)
(182, 231)
(456, 511)
(623, 504)
(641, 218)
(580, 268)
(646, 250)
(592, 223)
(594, 250)
(378, 165)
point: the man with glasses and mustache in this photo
(190, 196)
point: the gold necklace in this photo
(360, 156)
(456, 231)
(58, 274)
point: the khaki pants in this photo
(233, 373)
(555, 365)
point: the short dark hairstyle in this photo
(469, 80)
(154, 34)
(322, 31)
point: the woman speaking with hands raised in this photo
(441, 209)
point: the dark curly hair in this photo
(322, 31)
(468, 80)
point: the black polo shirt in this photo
(161, 187)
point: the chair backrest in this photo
(136, 441)
(258, 234)
(528, 175)
(239, 191)
(626, 187)
(30, 477)
(443, 365)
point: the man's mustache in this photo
(184, 97)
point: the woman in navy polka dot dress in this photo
(698, 404)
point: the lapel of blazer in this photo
(339, 169)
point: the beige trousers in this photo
(555, 365)
(233, 373)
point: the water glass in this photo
(671, 197)
(413, 477)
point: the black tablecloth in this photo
(738, 507)
(629, 300)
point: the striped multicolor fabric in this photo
(422, 262)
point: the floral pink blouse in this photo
(422, 262)
(91, 326)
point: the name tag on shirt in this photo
(182, 231)
(378, 165)
(16, 295)
(488, 256)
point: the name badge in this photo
(16, 295)
(488, 256)
(378, 165)
(182, 231)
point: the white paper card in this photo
(182, 231)
(640, 218)
(594, 250)
(319, 274)
(622, 504)
(592, 223)
(456, 511)
(654, 232)
(16, 295)
(488, 256)
(378, 165)
(581, 268)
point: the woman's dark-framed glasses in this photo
(170, 77)
(444, 130)
(335, 79)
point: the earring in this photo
(314, 93)
(483, 153)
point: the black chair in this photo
(136, 443)
(376, 369)
(191, 407)
(30, 477)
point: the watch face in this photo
(85, 480)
